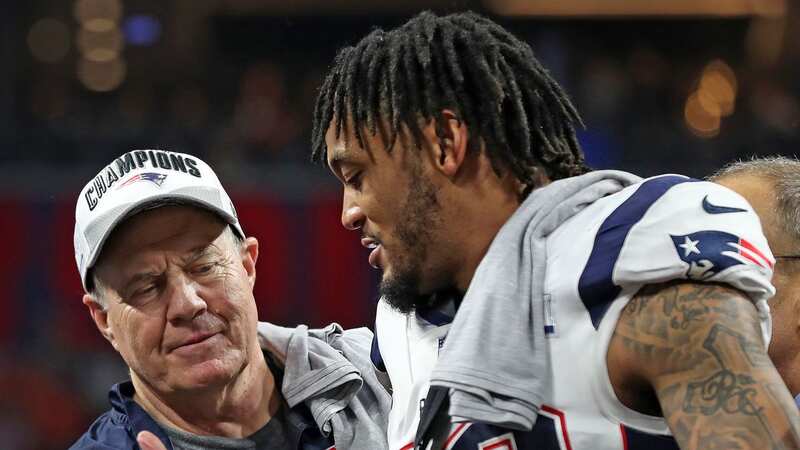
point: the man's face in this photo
(785, 306)
(390, 198)
(180, 307)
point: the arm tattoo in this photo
(700, 347)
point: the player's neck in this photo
(236, 410)
(485, 218)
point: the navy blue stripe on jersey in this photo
(481, 435)
(375, 354)
(596, 285)
(638, 440)
(434, 317)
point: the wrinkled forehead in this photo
(165, 228)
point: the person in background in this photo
(772, 187)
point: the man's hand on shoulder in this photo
(149, 441)
(700, 348)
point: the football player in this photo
(528, 303)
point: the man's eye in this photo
(203, 269)
(354, 180)
(142, 293)
(146, 289)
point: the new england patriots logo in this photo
(709, 252)
(153, 177)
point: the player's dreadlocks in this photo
(463, 62)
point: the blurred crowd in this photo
(655, 94)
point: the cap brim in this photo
(136, 207)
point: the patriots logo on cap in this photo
(709, 252)
(153, 177)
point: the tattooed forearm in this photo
(724, 390)
(700, 348)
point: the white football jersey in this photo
(663, 228)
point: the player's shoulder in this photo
(695, 230)
(679, 205)
(702, 197)
(675, 227)
(666, 228)
(671, 201)
(671, 191)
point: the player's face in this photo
(178, 287)
(785, 305)
(389, 198)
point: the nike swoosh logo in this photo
(715, 209)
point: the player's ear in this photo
(100, 317)
(448, 136)
(250, 257)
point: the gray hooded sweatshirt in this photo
(330, 370)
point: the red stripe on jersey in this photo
(504, 443)
(563, 421)
(753, 249)
(624, 437)
(455, 434)
(751, 258)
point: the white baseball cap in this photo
(134, 180)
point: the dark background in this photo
(674, 86)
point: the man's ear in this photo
(448, 135)
(100, 317)
(250, 257)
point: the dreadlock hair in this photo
(468, 64)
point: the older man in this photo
(169, 278)
(772, 186)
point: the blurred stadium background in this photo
(663, 85)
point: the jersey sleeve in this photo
(698, 231)
(677, 228)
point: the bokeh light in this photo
(101, 76)
(714, 99)
(718, 85)
(99, 25)
(700, 121)
(141, 30)
(88, 11)
(49, 40)
(100, 46)
(100, 41)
